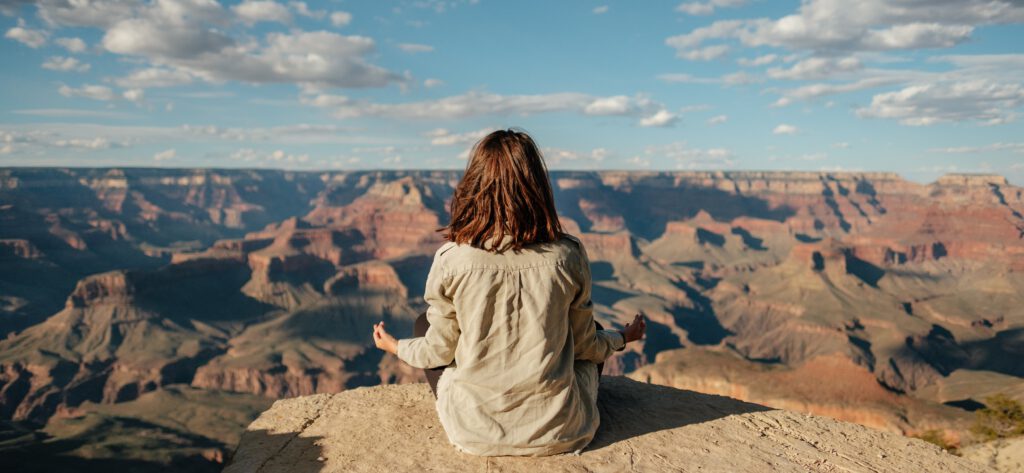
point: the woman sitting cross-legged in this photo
(509, 327)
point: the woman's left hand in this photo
(384, 340)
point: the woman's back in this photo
(524, 379)
(509, 313)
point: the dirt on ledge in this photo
(644, 427)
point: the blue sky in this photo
(917, 87)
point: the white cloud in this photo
(735, 78)
(817, 68)
(985, 101)
(717, 119)
(601, 10)
(100, 14)
(615, 105)
(558, 156)
(741, 78)
(303, 9)
(413, 48)
(165, 155)
(431, 83)
(89, 91)
(255, 11)
(73, 113)
(841, 145)
(27, 36)
(318, 58)
(1015, 147)
(191, 36)
(84, 143)
(813, 91)
(704, 54)
(74, 45)
(341, 18)
(685, 78)
(662, 118)
(784, 129)
(758, 61)
(303, 133)
(474, 103)
(443, 137)
(869, 25)
(65, 64)
(707, 7)
(695, 108)
(812, 157)
(154, 77)
(250, 155)
(134, 95)
(639, 161)
(686, 157)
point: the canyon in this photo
(855, 295)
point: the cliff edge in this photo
(644, 427)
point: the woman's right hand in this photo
(634, 330)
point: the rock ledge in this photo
(644, 427)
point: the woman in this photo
(510, 317)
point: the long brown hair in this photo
(504, 191)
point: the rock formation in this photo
(643, 428)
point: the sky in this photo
(920, 88)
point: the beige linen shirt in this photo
(516, 331)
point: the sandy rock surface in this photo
(644, 427)
(1005, 455)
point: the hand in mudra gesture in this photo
(634, 330)
(384, 340)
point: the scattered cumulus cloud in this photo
(341, 18)
(707, 7)
(73, 45)
(758, 61)
(983, 101)
(89, 91)
(413, 48)
(443, 137)
(151, 77)
(84, 143)
(663, 118)
(717, 120)
(165, 155)
(704, 54)
(816, 68)
(874, 25)
(474, 103)
(558, 157)
(65, 64)
(27, 36)
(191, 38)
(255, 11)
(302, 9)
(685, 157)
(1015, 147)
(277, 157)
(784, 129)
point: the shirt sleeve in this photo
(437, 347)
(589, 343)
